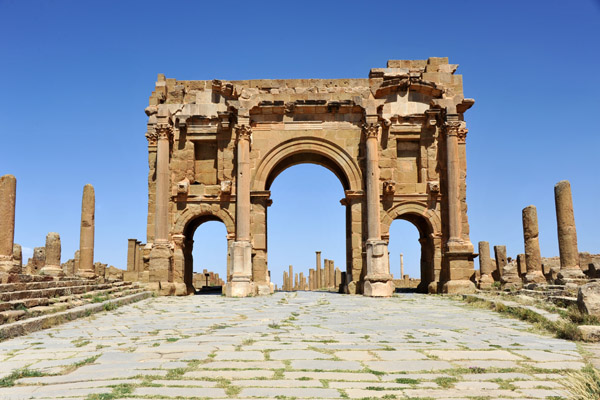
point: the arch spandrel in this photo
(406, 210)
(307, 149)
(203, 211)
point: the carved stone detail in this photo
(152, 138)
(243, 132)
(163, 131)
(389, 187)
(371, 130)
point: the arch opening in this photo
(205, 249)
(306, 216)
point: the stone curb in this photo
(29, 325)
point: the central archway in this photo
(307, 150)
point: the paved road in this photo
(291, 345)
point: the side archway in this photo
(183, 233)
(429, 225)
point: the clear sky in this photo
(76, 77)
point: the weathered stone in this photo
(485, 266)
(53, 250)
(588, 298)
(86, 238)
(8, 193)
(567, 234)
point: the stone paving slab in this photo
(316, 345)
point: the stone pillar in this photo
(18, 257)
(323, 275)
(567, 234)
(378, 281)
(52, 267)
(286, 283)
(331, 274)
(500, 255)
(338, 278)
(311, 279)
(131, 253)
(533, 257)
(485, 266)
(291, 277)
(296, 282)
(459, 252)
(302, 280)
(318, 283)
(86, 237)
(401, 266)
(8, 193)
(160, 254)
(241, 285)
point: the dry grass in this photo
(584, 384)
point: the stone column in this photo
(401, 266)
(8, 193)
(331, 274)
(52, 266)
(533, 258)
(485, 266)
(286, 283)
(296, 282)
(240, 285)
(86, 237)
(131, 253)
(453, 182)
(18, 257)
(378, 281)
(567, 234)
(302, 280)
(318, 283)
(311, 279)
(160, 255)
(338, 278)
(500, 255)
(459, 250)
(291, 277)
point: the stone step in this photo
(67, 302)
(21, 286)
(51, 292)
(23, 303)
(29, 325)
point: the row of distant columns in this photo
(8, 265)
(328, 277)
(567, 244)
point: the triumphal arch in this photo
(396, 141)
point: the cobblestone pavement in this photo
(290, 345)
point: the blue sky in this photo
(77, 76)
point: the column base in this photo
(571, 275)
(264, 289)
(239, 289)
(86, 273)
(433, 287)
(485, 282)
(534, 277)
(160, 262)
(9, 266)
(459, 287)
(379, 289)
(52, 270)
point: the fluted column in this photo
(8, 192)
(378, 281)
(86, 236)
(160, 255)
(240, 285)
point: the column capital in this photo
(456, 128)
(243, 132)
(163, 131)
(371, 130)
(152, 138)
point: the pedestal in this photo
(241, 285)
(460, 268)
(160, 262)
(378, 282)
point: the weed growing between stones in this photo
(584, 384)
(445, 382)
(118, 391)
(407, 381)
(18, 374)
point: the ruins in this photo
(396, 141)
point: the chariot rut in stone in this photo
(396, 141)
